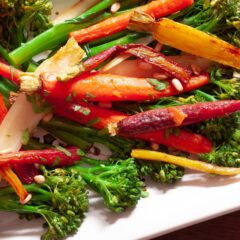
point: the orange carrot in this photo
(157, 9)
(108, 88)
(7, 173)
(9, 72)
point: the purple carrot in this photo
(145, 53)
(176, 116)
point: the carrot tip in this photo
(26, 200)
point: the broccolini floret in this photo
(117, 182)
(61, 200)
(225, 84)
(22, 19)
(160, 172)
(225, 134)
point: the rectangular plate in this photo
(197, 197)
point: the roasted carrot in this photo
(187, 39)
(84, 113)
(7, 173)
(178, 139)
(107, 88)
(9, 72)
(3, 109)
(133, 68)
(145, 53)
(158, 119)
(50, 157)
(158, 8)
(26, 172)
(184, 162)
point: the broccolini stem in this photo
(116, 144)
(4, 90)
(126, 4)
(130, 38)
(70, 139)
(109, 38)
(207, 97)
(6, 56)
(7, 204)
(10, 85)
(49, 39)
(66, 125)
(35, 145)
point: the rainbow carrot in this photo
(169, 117)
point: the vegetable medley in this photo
(127, 90)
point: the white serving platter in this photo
(196, 198)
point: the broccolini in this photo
(62, 201)
(21, 19)
(117, 182)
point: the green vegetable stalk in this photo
(118, 183)
(58, 34)
(129, 38)
(82, 136)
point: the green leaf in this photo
(85, 111)
(25, 137)
(158, 85)
(64, 150)
(80, 152)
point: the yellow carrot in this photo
(184, 162)
(187, 39)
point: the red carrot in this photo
(3, 109)
(158, 119)
(178, 139)
(182, 140)
(112, 25)
(107, 88)
(50, 157)
(5, 170)
(9, 72)
(84, 113)
(145, 53)
(26, 172)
